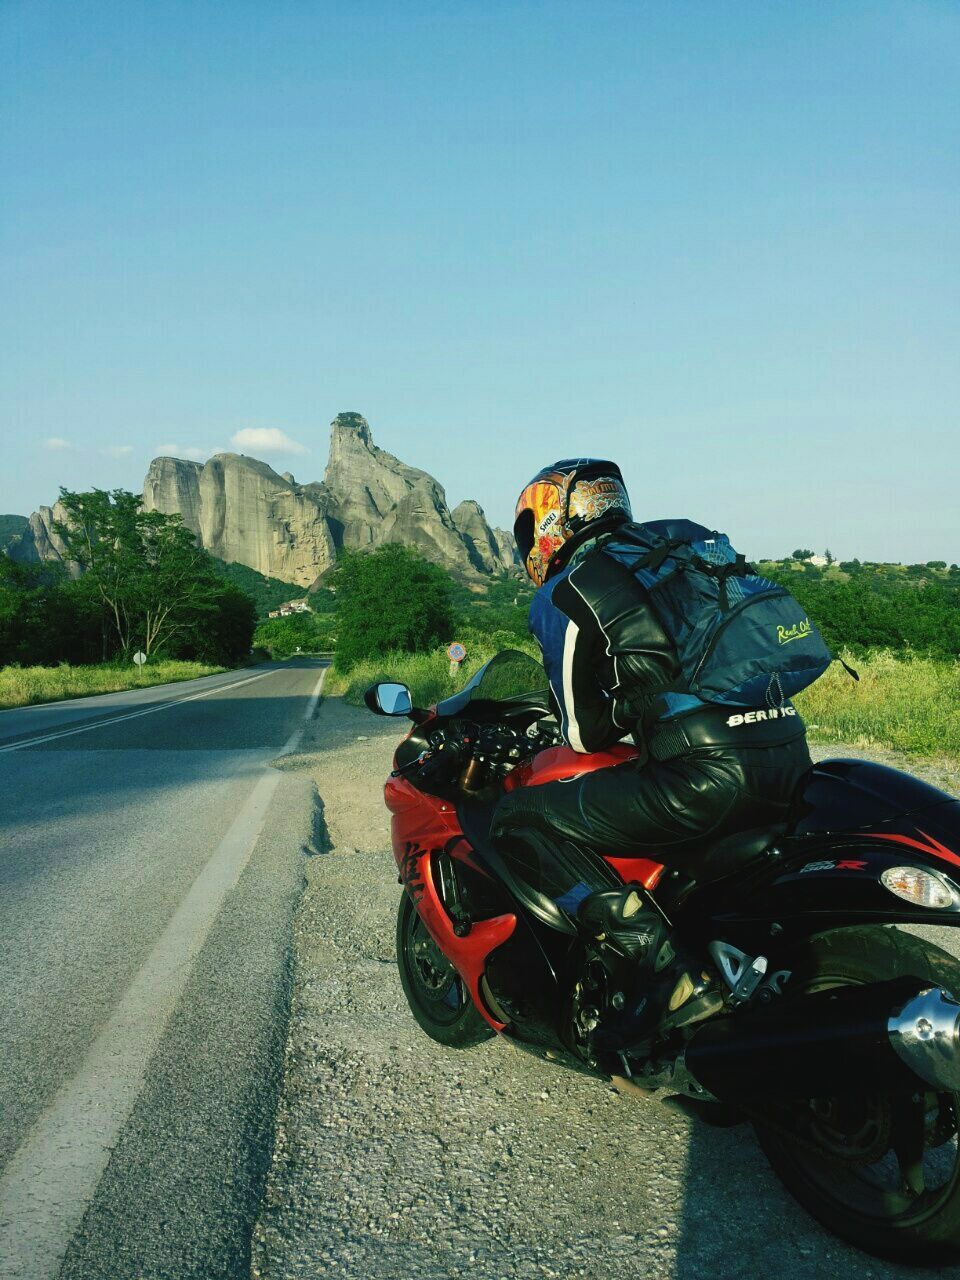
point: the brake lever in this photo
(414, 764)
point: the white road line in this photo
(132, 715)
(53, 1175)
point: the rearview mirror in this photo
(389, 699)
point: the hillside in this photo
(11, 527)
(878, 606)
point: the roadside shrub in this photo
(306, 632)
(390, 601)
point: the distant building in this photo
(292, 606)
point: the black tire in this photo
(868, 1203)
(435, 991)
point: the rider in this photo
(609, 663)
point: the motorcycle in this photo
(838, 1038)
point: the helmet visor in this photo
(523, 532)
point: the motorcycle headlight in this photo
(922, 888)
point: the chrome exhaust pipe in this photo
(925, 1034)
(883, 1037)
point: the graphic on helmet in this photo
(564, 504)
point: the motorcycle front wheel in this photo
(435, 991)
(880, 1171)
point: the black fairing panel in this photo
(848, 795)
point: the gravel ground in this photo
(398, 1158)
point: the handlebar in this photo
(468, 755)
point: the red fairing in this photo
(557, 763)
(421, 824)
(468, 955)
(637, 870)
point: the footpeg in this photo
(743, 974)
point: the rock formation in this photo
(12, 528)
(40, 540)
(482, 547)
(507, 547)
(372, 497)
(241, 510)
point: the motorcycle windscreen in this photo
(511, 674)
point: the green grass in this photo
(23, 686)
(909, 703)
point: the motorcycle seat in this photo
(736, 851)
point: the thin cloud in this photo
(117, 451)
(55, 443)
(267, 440)
(193, 452)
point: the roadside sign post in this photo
(456, 653)
(139, 657)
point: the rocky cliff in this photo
(484, 550)
(12, 529)
(40, 540)
(242, 510)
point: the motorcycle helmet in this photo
(562, 506)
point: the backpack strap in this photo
(738, 568)
(851, 671)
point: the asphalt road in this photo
(150, 863)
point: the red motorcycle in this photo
(838, 1037)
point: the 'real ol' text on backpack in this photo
(742, 640)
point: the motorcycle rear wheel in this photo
(886, 1173)
(435, 991)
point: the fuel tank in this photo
(559, 763)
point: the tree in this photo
(221, 634)
(390, 599)
(828, 556)
(157, 589)
(801, 554)
(44, 617)
(306, 632)
(20, 596)
(100, 535)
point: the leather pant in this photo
(668, 809)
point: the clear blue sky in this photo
(717, 241)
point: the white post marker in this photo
(456, 653)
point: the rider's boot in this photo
(671, 989)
